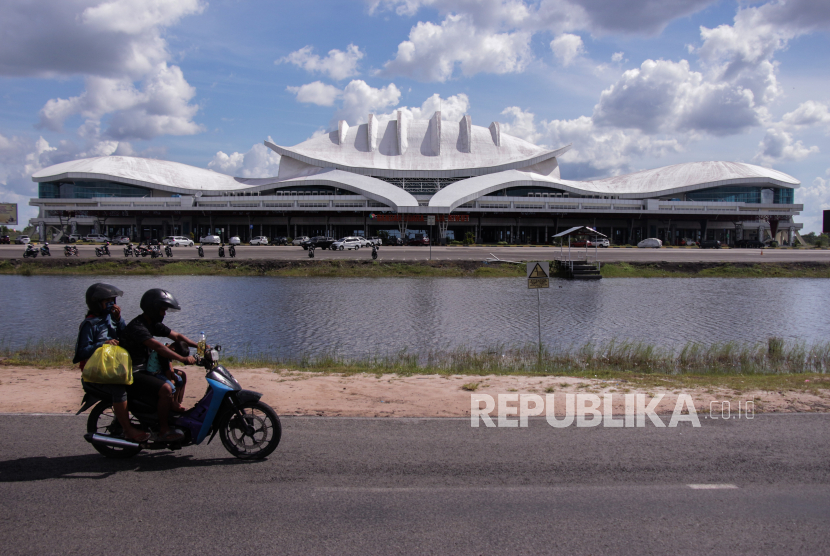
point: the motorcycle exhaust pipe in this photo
(110, 441)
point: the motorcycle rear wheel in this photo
(102, 421)
(265, 438)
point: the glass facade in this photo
(741, 194)
(89, 189)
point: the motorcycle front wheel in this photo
(102, 421)
(254, 435)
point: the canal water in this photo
(359, 317)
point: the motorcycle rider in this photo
(104, 325)
(138, 338)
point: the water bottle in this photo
(200, 347)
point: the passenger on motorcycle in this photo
(139, 340)
(175, 378)
(104, 325)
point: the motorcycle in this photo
(69, 250)
(201, 252)
(232, 251)
(248, 428)
(44, 250)
(155, 252)
(141, 251)
(374, 252)
(310, 251)
(128, 250)
(31, 251)
(222, 250)
(103, 250)
(168, 250)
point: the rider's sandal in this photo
(170, 436)
(141, 437)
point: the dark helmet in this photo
(156, 300)
(98, 292)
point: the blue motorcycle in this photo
(247, 427)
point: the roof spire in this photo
(403, 130)
(495, 133)
(372, 131)
(435, 133)
(342, 130)
(465, 132)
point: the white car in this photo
(651, 243)
(600, 242)
(300, 240)
(211, 239)
(259, 240)
(364, 242)
(178, 241)
(234, 240)
(97, 238)
(346, 243)
(121, 240)
(22, 240)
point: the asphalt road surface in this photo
(426, 486)
(471, 254)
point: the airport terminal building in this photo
(392, 175)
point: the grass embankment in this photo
(805, 269)
(772, 366)
(383, 269)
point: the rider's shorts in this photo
(146, 385)
(118, 392)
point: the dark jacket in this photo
(92, 334)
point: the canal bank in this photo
(381, 269)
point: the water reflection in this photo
(362, 316)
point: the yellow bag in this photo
(109, 365)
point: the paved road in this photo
(418, 486)
(476, 254)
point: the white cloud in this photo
(778, 145)
(617, 57)
(808, 114)
(359, 99)
(258, 162)
(665, 96)
(596, 152)
(816, 198)
(337, 65)
(452, 109)
(318, 93)
(132, 17)
(567, 48)
(160, 107)
(434, 52)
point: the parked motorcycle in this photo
(44, 249)
(222, 250)
(374, 252)
(31, 251)
(201, 252)
(128, 250)
(168, 250)
(69, 250)
(155, 252)
(103, 250)
(232, 251)
(247, 427)
(310, 251)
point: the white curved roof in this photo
(668, 180)
(371, 188)
(143, 172)
(433, 148)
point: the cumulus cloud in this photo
(452, 109)
(597, 151)
(779, 145)
(617, 57)
(816, 199)
(159, 107)
(435, 52)
(567, 48)
(808, 113)
(258, 162)
(359, 99)
(640, 17)
(337, 65)
(44, 38)
(318, 93)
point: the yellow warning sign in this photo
(538, 275)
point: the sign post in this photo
(430, 224)
(538, 277)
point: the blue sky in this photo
(632, 84)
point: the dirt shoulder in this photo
(58, 390)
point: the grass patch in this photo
(774, 365)
(715, 270)
(471, 386)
